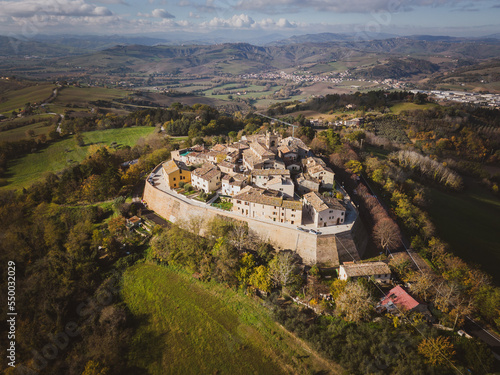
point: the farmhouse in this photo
(378, 270)
(324, 211)
(398, 299)
(175, 172)
(206, 178)
(267, 205)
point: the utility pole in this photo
(283, 122)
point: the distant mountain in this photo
(98, 42)
(331, 37)
(241, 58)
(16, 47)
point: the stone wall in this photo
(322, 249)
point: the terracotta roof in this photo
(270, 172)
(318, 168)
(312, 160)
(266, 197)
(206, 172)
(218, 148)
(366, 269)
(173, 165)
(303, 178)
(401, 298)
(226, 164)
(261, 150)
(320, 203)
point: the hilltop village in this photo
(262, 176)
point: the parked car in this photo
(302, 229)
(314, 231)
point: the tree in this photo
(261, 279)
(282, 268)
(337, 288)
(386, 233)
(95, 368)
(437, 351)
(226, 260)
(354, 303)
(247, 264)
(239, 235)
(79, 139)
(354, 166)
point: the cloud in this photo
(338, 6)
(111, 2)
(208, 7)
(244, 21)
(161, 13)
(73, 8)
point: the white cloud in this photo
(340, 6)
(244, 21)
(75, 8)
(161, 13)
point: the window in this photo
(342, 213)
(330, 212)
(174, 178)
(292, 222)
(238, 202)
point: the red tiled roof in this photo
(400, 298)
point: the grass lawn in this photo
(469, 222)
(26, 170)
(189, 327)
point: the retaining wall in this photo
(314, 249)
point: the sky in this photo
(161, 18)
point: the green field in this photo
(81, 96)
(469, 222)
(39, 127)
(399, 107)
(26, 170)
(16, 99)
(190, 327)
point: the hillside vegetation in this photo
(189, 327)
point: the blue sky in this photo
(239, 17)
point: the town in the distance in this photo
(308, 204)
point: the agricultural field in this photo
(468, 221)
(20, 127)
(189, 327)
(17, 98)
(56, 156)
(81, 96)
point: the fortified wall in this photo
(325, 250)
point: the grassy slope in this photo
(188, 327)
(397, 108)
(57, 156)
(468, 221)
(20, 133)
(16, 99)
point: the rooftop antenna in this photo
(283, 122)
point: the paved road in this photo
(475, 330)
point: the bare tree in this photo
(422, 283)
(282, 268)
(355, 302)
(386, 233)
(240, 235)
